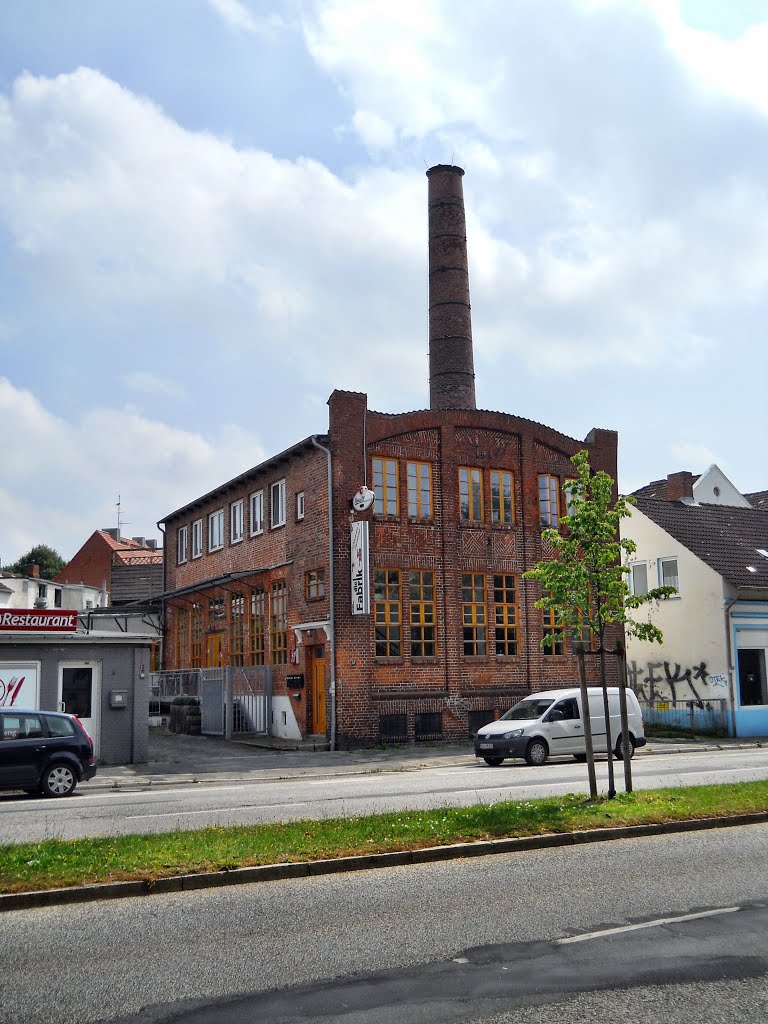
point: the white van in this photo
(551, 722)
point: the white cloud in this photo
(150, 385)
(61, 478)
(692, 456)
(238, 16)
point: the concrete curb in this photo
(304, 869)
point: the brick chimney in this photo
(32, 571)
(679, 485)
(451, 363)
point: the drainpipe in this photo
(331, 587)
(731, 668)
(161, 616)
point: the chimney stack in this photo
(451, 363)
(679, 485)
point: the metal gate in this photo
(234, 700)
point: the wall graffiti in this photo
(665, 680)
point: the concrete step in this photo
(308, 743)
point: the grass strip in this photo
(57, 863)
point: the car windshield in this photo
(527, 709)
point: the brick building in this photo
(382, 561)
(126, 569)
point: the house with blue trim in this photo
(702, 536)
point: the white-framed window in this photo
(277, 504)
(638, 578)
(300, 505)
(182, 538)
(668, 576)
(197, 538)
(236, 522)
(216, 530)
(257, 513)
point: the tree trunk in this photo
(621, 663)
(588, 745)
(607, 711)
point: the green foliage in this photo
(50, 561)
(585, 583)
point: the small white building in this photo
(31, 591)
(709, 541)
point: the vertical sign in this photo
(361, 597)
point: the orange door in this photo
(318, 695)
(213, 652)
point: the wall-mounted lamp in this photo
(296, 696)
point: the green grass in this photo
(57, 863)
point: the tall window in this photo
(550, 628)
(258, 625)
(386, 611)
(197, 538)
(505, 612)
(196, 653)
(277, 504)
(278, 634)
(216, 613)
(216, 530)
(421, 585)
(571, 496)
(638, 578)
(473, 614)
(501, 496)
(257, 513)
(182, 626)
(549, 505)
(236, 521)
(181, 544)
(419, 490)
(471, 494)
(236, 629)
(668, 573)
(300, 504)
(314, 584)
(385, 487)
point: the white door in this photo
(566, 733)
(80, 694)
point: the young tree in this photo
(585, 586)
(51, 563)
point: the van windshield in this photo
(527, 709)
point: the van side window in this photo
(569, 708)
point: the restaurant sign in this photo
(42, 620)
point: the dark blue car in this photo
(44, 752)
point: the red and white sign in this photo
(43, 620)
(19, 685)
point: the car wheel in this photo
(58, 780)
(618, 754)
(580, 757)
(494, 762)
(537, 752)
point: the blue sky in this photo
(213, 214)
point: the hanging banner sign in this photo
(361, 595)
(43, 620)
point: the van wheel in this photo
(617, 753)
(494, 762)
(580, 757)
(537, 752)
(58, 780)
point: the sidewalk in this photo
(176, 759)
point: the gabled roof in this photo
(724, 537)
(758, 499)
(656, 489)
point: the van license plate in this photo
(485, 746)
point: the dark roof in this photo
(726, 538)
(657, 488)
(758, 499)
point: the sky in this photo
(213, 213)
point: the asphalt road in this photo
(470, 940)
(104, 812)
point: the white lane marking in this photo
(213, 810)
(646, 924)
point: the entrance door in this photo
(213, 653)
(318, 690)
(79, 693)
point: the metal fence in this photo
(702, 717)
(234, 700)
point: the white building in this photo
(709, 541)
(31, 591)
